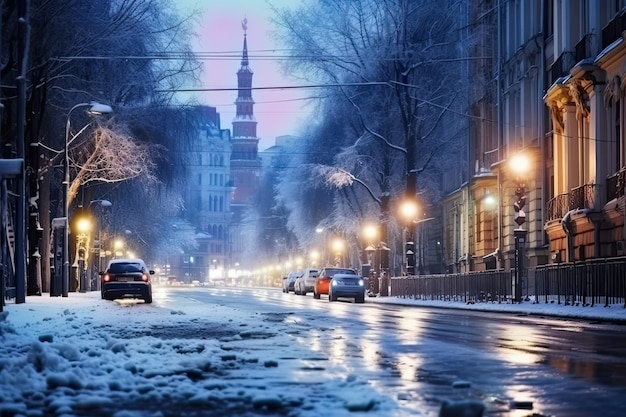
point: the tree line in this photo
(67, 52)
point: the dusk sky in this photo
(278, 112)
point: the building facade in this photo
(584, 216)
(549, 86)
(207, 199)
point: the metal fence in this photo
(599, 281)
(495, 286)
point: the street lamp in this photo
(408, 211)
(520, 166)
(95, 108)
(338, 248)
(83, 227)
(118, 247)
(97, 267)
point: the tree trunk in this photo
(44, 213)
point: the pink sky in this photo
(220, 31)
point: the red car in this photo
(322, 282)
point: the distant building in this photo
(207, 198)
(245, 164)
(283, 144)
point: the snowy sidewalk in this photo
(614, 312)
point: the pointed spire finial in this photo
(244, 25)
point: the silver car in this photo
(347, 286)
(306, 282)
(290, 280)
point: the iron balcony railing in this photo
(562, 65)
(615, 185)
(614, 29)
(582, 197)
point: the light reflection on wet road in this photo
(421, 355)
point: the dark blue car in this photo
(126, 278)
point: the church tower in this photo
(245, 162)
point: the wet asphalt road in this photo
(517, 365)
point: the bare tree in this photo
(115, 52)
(110, 156)
(395, 71)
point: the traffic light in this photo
(520, 215)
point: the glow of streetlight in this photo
(408, 210)
(370, 232)
(338, 245)
(83, 225)
(520, 164)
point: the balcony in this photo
(614, 29)
(583, 48)
(582, 197)
(562, 65)
(615, 185)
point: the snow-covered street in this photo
(81, 355)
(85, 356)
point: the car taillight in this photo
(145, 277)
(106, 278)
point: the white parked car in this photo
(306, 282)
(289, 281)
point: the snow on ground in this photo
(79, 355)
(82, 356)
(612, 312)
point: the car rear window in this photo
(121, 267)
(331, 272)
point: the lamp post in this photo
(408, 211)
(83, 227)
(97, 266)
(95, 108)
(370, 233)
(520, 166)
(338, 248)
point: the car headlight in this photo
(361, 283)
(333, 283)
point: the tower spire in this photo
(244, 57)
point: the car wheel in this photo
(360, 299)
(148, 299)
(330, 296)
(316, 295)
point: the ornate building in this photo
(548, 83)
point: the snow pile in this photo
(103, 358)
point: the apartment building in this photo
(548, 86)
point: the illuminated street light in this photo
(83, 227)
(408, 212)
(338, 248)
(118, 246)
(95, 108)
(520, 166)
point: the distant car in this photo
(172, 280)
(306, 282)
(290, 280)
(126, 278)
(322, 282)
(347, 286)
